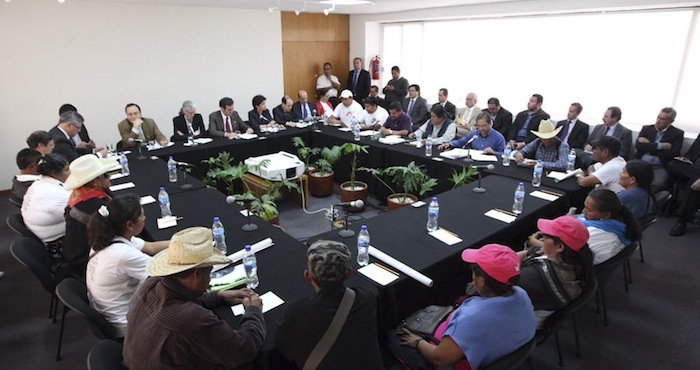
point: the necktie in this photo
(605, 133)
(410, 106)
(354, 81)
(228, 125)
(303, 111)
(564, 130)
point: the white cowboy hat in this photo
(189, 248)
(546, 130)
(87, 168)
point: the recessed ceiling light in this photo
(346, 2)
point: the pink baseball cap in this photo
(570, 230)
(498, 261)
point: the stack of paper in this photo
(248, 136)
(392, 140)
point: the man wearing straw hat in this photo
(547, 148)
(171, 324)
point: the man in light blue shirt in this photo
(483, 138)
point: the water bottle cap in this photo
(247, 248)
(216, 219)
(520, 183)
(162, 188)
(364, 227)
(170, 158)
(435, 199)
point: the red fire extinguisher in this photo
(375, 67)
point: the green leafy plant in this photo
(354, 149)
(464, 177)
(328, 157)
(304, 152)
(411, 178)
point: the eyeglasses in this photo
(79, 128)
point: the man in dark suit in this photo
(450, 108)
(416, 107)
(283, 113)
(574, 132)
(226, 121)
(187, 117)
(520, 132)
(82, 140)
(658, 144)
(501, 118)
(302, 109)
(612, 127)
(686, 172)
(359, 81)
(69, 125)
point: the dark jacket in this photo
(579, 134)
(179, 124)
(672, 135)
(520, 120)
(360, 91)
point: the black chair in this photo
(33, 255)
(605, 270)
(514, 359)
(73, 294)
(16, 223)
(554, 322)
(15, 201)
(105, 355)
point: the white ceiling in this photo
(380, 6)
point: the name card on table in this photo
(270, 300)
(117, 176)
(445, 236)
(147, 200)
(549, 196)
(380, 274)
(166, 222)
(418, 204)
(500, 216)
(122, 186)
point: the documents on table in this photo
(147, 200)
(166, 222)
(418, 204)
(237, 274)
(392, 140)
(484, 157)
(203, 140)
(270, 300)
(344, 129)
(559, 176)
(546, 195)
(248, 136)
(380, 274)
(123, 186)
(454, 153)
(501, 215)
(391, 261)
(445, 236)
(369, 132)
(117, 176)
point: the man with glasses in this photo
(69, 124)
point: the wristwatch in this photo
(390, 131)
(417, 341)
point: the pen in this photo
(506, 212)
(449, 232)
(386, 269)
(550, 192)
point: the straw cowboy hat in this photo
(189, 248)
(87, 168)
(546, 130)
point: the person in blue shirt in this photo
(636, 178)
(488, 140)
(547, 148)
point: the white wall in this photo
(100, 56)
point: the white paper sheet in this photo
(485, 158)
(122, 186)
(378, 274)
(418, 204)
(392, 140)
(237, 274)
(270, 300)
(500, 216)
(368, 132)
(445, 236)
(248, 136)
(391, 261)
(545, 196)
(164, 223)
(117, 176)
(203, 140)
(147, 200)
(559, 176)
(454, 153)
(344, 129)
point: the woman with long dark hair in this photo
(118, 258)
(638, 196)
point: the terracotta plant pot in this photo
(393, 201)
(348, 194)
(320, 186)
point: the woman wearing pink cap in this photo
(485, 327)
(557, 264)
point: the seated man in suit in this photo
(82, 139)
(134, 127)
(443, 102)
(501, 118)
(28, 164)
(226, 122)
(487, 139)
(416, 107)
(520, 132)
(41, 141)
(68, 126)
(547, 148)
(439, 127)
(686, 172)
(302, 109)
(658, 144)
(612, 127)
(605, 173)
(466, 117)
(574, 131)
(284, 113)
(188, 120)
(398, 123)
(359, 81)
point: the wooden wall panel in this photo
(308, 41)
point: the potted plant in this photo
(321, 179)
(305, 153)
(353, 190)
(464, 177)
(411, 178)
(263, 204)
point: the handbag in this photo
(426, 320)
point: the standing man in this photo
(450, 108)
(501, 118)
(415, 106)
(658, 144)
(69, 125)
(328, 267)
(329, 81)
(348, 110)
(397, 88)
(573, 131)
(226, 121)
(519, 133)
(136, 127)
(606, 172)
(284, 113)
(612, 127)
(359, 81)
(301, 108)
(466, 117)
(398, 123)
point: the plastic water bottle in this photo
(355, 129)
(429, 146)
(419, 139)
(571, 160)
(250, 264)
(125, 164)
(433, 213)
(172, 169)
(518, 199)
(217, 229)
(190, 134)
(506, 156)
(164, 201)
(537, 175)
(363, 246)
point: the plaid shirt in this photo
(553, 158)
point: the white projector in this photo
(282, 166)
